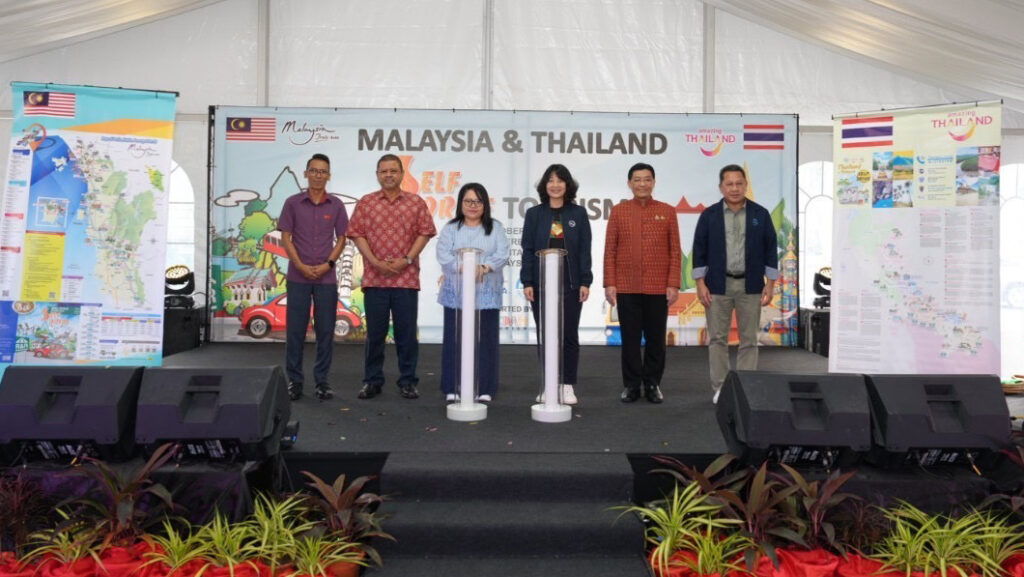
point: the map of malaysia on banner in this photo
(915, 285)
(84, 229)
(260, 155)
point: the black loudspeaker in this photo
(795, 419)
(60, 413)
(932, 420)
(181, 329)
(219, 414)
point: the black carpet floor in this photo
(601, 423)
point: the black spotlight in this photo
(823, 288)
(179, 284)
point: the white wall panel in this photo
(613, 55)
(387, 53)
(208, 55)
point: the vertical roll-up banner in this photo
(260, 154)
(915, 285)
(84, 225)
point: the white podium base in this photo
(467, 411)
(557, 414)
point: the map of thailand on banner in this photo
(916, 241)
(84, 228)
(260, 155)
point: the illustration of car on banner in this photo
(260, 320)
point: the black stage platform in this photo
(684, 423)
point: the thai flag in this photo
(764, 136)
(60, 104)
(867, 132)
(258, 129)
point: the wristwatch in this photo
(408, 259)
(331, 262)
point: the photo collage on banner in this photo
(916, 241)
(84, 229)
(260, 155)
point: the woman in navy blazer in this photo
(557, 222)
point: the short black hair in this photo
(318, 156)
(731, 168)
(563, 174)
(387, 157)
(481, 195)
(640, 166)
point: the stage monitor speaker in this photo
(795, 419)
(221, 414)
(59, 413)
(932, 420)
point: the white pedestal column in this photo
(551, 410)
(466, 408)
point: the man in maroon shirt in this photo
(312, 226)
(391, 227)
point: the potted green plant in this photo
(274, 529)
(227, 547)
(324, 556)
(717, 552)
(348, 512)
(68, 549)
(176, 553)
(919, 542)
(676, 521)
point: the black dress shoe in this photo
(294, 391)
(630, 394)
(654, 395)
(324, 392)
(410, 392)
(369, 391)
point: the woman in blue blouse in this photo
(558, 222)
(472, 227)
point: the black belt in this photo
(730, 275)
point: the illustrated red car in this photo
(51, 351)
(260, 320)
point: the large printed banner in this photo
(915, 286)
(260, 154)
(84, 227)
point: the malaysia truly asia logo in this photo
(710, 140)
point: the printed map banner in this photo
(84, 228)
(915, 286)
(260, 155)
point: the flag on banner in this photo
(262, 129)
(867, 132)
(61, 104)
(764, 136)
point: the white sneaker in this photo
(714, 399)
(451, 397)
(483, 398)
(568, 395)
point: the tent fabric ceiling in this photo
(975, 46)
(933, 40)
(33, 26)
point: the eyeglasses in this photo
(471, 202)
(318, 171)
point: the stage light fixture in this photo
(179, 284)
(823, 287)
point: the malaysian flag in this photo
(867, 132)
(764, 136)
(264, 129)
(61, 104)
